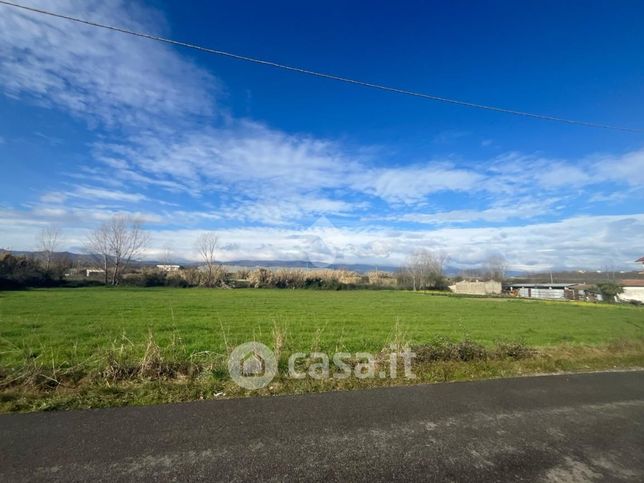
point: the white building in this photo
(169, 268)
(490, 287)
(94, 271)
(633, 291)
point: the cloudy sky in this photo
(285, 166)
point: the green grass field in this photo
(78, 322)
(99, 347)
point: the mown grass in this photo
(94, 347)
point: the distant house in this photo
(169, 268)
(490, 287)
(633, 291)
(94, 271)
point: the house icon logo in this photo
(252, 365)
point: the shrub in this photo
(445, 350)
(22, 272)
(261, 278)
(177, 280)
(243, 274)
(513, 350)
(609, 291)
(147, 278)
(300, 278)
(381, 279)
(468, 350)
(192, 276)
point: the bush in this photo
(154, 278)
(299, 278)
(470, 351)
(261, 278)
(513, 350)
(445, 350)
(609, 291)
(22, 272)
(148, 278)
(192, 276)
(176, 281)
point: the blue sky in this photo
(285, 166)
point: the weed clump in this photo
(442, 350)
(445, 350)
(513, 350)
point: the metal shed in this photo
(554, 291)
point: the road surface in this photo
(551, 428)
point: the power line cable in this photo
(326, 76)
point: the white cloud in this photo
(559, 175)
(53, 197)
(519, 210)
(94, 193)
(257, 174)
(411, 184)
(247, 153)
(95, 73)
(628, 168)
(270, 167)
(514, 171)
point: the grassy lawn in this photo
(82, 320)
(63, 327)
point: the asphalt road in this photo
(552, 428)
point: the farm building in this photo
(476, 287)
(556, 291)
(633, 291)
(540, 290)
(583, 291)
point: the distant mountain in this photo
(72, 257)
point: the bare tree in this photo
(425, 269)
(495, 267)
(127, 242)
(206, 246)
(98, 246)
(116, 242)
(48, 241)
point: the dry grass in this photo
(279, 339)
(300, 278)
